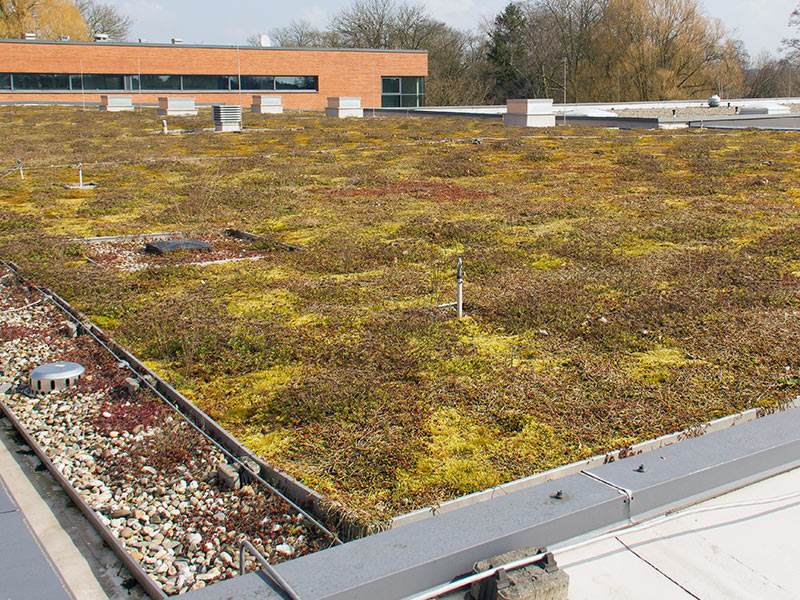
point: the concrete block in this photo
(764, 109)
(227, 476)
(530, 106)
(116, 103)
(71, 329)
(132, 385)
(176, 107)
(341, 113)
(344, 102)
(529, 120)
(341, 107)
(540, 581)
(267, 105)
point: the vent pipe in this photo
(55, 376)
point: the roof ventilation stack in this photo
(55, 376)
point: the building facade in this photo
(44, 71)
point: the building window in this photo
(161, 82)
(40, 81)
(199, 83)
(402, 91)
(253, 82)
(279, 82)
(206, 82)
(296, 82)
(91, 81)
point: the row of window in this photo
(395, 91)
(92, 81)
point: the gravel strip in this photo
(691, 112)
(129, 255)
(150, 477)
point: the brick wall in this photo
(340, 72)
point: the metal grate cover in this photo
(168, 246)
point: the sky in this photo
(760, 24)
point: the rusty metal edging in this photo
(151, 587)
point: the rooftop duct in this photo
(55, 376)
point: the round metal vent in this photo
(55, 376)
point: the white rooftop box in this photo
(344, 102)
(267, 104)
(116, 103)
(344, 106)
(529, 107)
(176, 107)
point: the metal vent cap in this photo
(55, 376)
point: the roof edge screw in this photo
(641, 469)
(559, 495)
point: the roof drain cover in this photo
(55, 376)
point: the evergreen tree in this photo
(506, 53)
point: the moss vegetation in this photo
(619, 285)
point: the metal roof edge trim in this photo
(205, 46)
(381, 566)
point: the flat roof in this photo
(208, 46)
(737, 545)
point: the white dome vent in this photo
(55, 376)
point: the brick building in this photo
(44, 71)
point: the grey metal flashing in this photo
(420, 112)
(789, 122)
(701, 467)
(149, 585)
(136, 237)
(619, 122)
(243, 47)
(400, 562)
(594, 461)
(27, 571)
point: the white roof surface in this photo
(746, 551)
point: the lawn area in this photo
(619, 285)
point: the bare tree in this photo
(792, 45)
(772, 77)
(297, 34)
(367, 24)
(105, 18)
